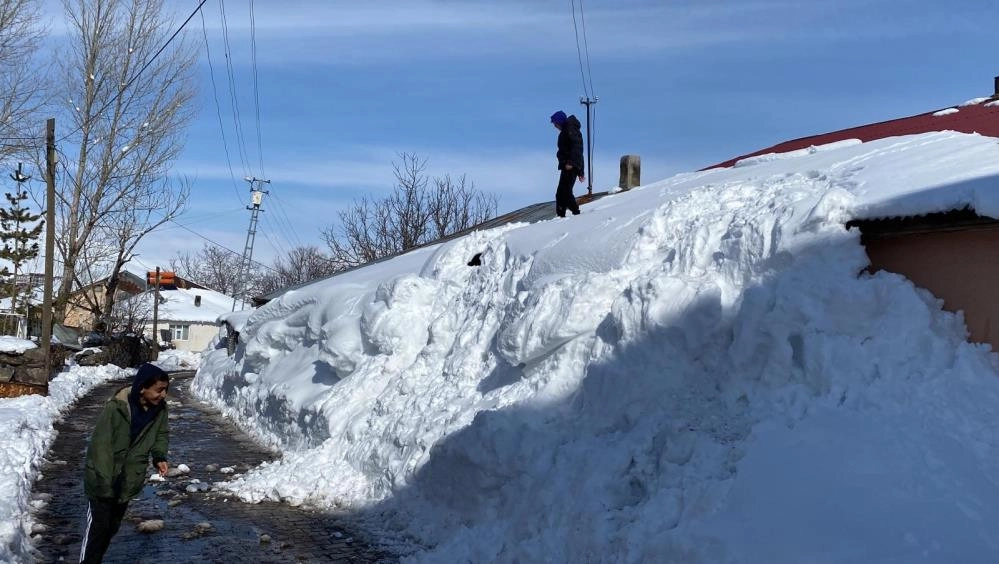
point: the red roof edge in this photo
(981, 118)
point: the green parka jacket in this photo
(111, 459)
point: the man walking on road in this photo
(132, 426)
(570, 161)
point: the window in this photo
(179, 332)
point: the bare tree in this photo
(303, 264)
(456, 205)
(130, 314)
(129, 110)
(417, 212)
(20, 86)
(124, 228)
(213, 267)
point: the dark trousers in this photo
(564, 200)
(103, 520)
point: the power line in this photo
(269, 221)
(137, 74)
(579, 52)
(281, 219)
(195, 219)
(221, 246)
(276, 245)
(286, 220)
(240, 139)
(36, 142)
(276, 227)
(256, 90)
(218, 110)
(591, 99)
(280, 222)
(586, 47)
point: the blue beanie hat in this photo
(558, 118)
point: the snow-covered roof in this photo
(179, 305)
(135, 270)
(979, 115)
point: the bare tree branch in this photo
(21, 88)
(417, 212)
(116, 191)
(303, 264)
(213, 267)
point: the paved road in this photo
(198, 527)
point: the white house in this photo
(188, 316)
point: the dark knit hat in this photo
(559, 117)
(146, 375)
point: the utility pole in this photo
(27, 305)
(589, 142)
(156, 311)
(257, 198)
(50, 160)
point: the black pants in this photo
(103, 520)
(564, 200)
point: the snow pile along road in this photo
(690, 371)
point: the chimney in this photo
(996, 89)
(197, 301)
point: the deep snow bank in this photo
(689, 371)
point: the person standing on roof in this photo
(570, 161)
(131, 429)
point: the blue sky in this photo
(469, 84)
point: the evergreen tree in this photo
(19, 234)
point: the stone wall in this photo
(22, 373)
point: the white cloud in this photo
(387, 31)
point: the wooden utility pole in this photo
(156, 310)
(50, 160)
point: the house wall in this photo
(77, 314)
(960, 267)
(199, 335)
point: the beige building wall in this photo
(199, 335)
(77, 315)
(960, 267)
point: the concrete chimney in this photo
(631, 172)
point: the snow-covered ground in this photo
(27, 422)
(691, 371)
(174, 360)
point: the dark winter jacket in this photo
(570, 145)
(116, 466)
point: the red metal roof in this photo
(977, 118)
